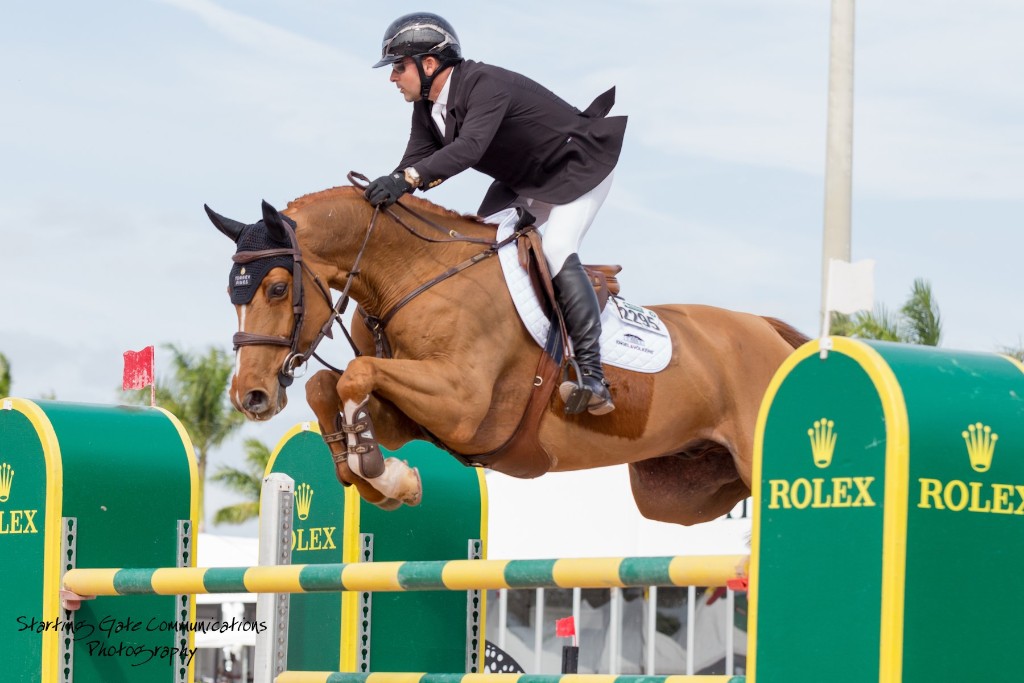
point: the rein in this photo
(377, 325)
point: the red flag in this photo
(138, 369)
(565, 628)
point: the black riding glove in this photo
(386, 190)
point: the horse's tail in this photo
(790, 334)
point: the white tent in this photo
(591, 513)
(227, 551)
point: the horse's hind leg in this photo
(687, 490)
(322, 397)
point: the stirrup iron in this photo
(578, 399)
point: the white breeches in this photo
(564, 225)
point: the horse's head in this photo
(277, 321)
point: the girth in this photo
(522, 455)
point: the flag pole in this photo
(825, 341)
(839, 143)
(152, 385)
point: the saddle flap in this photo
(604, 281)
(529, 247)
(602, 277)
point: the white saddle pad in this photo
(632, 337)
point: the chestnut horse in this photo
(463, 366)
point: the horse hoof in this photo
(417, 496)
(389, 504)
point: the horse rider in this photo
(543, 154)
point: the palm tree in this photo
(247, 481)
(917, 322)
(921, 318)
(5, 375)
(1016, 351)
(197, 395)
(880, 324)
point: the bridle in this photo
(295, 358)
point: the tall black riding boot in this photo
(578, 301)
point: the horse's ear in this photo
(227, 226)
(275, 222)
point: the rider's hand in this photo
(386, 190)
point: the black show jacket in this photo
(533, 143)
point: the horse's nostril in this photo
(255, 401)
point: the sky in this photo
(119, 119)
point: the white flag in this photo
(851, 286)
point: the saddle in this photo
(603, 277)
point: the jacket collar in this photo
(454, 79)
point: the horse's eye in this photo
(278, 289)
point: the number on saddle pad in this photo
(638, 316)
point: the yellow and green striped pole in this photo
(339, 677)
(711, 570)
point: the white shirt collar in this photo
(439, 110)
(442, 97)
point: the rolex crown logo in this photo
(6, 479)
(981, 444)
(823, 442)
(303, 499)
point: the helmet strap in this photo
(427, 81)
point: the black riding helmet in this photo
(418, 35)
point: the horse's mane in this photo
(412, 202)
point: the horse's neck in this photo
(400, 262)
(395, 261)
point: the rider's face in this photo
(406, 76)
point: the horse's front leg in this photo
(442, 397)
(322, 397)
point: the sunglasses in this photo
(399, 67)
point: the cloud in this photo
(933, 114)
(254, 33)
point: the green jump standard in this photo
(93, 486)
(888, 533)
